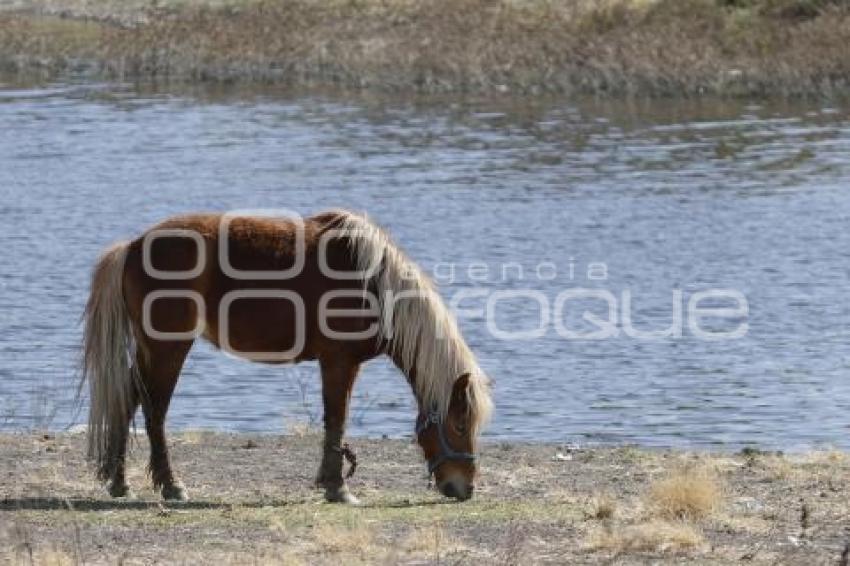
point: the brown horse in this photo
(332, 288)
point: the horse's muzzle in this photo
(450, 489)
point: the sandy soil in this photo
(253, 501)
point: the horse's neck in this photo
(408, 372)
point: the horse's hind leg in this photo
(117, 454)
(160, 367)
(338, 377)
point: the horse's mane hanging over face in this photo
(423, 336)
(479, 401)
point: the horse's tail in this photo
(107, 348)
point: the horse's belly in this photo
(260, 330)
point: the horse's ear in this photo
(460, 388)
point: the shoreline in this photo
(652, 48)
(486, 443)
(252, 499)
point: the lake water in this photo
(489, 195)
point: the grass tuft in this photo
(652, 536)
(347, 539)
(603, 507)
(690, 493)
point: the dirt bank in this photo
(639, 47)
(253, 501)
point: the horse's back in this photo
(267, 274)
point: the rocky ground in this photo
(253, 501)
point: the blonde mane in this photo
(423, 335)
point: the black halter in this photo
(446, 453)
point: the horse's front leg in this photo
(338, 377)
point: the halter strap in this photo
(446, 453)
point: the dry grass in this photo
(48, 558)
(603, 507)
(356, 540)
(430, 541)
(653, 47)
(828, 457)
(192, 436)
(652, 536)
(301, 429)
(361, 542)
(688, 493)
(253, 501)
(662, 520)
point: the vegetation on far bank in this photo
(640, 47)
(253, 501)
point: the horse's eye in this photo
(460, 426)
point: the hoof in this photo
(340, 495)
(121, 490)
(174, 492)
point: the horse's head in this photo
(449, 443)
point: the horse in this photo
(333, 287)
